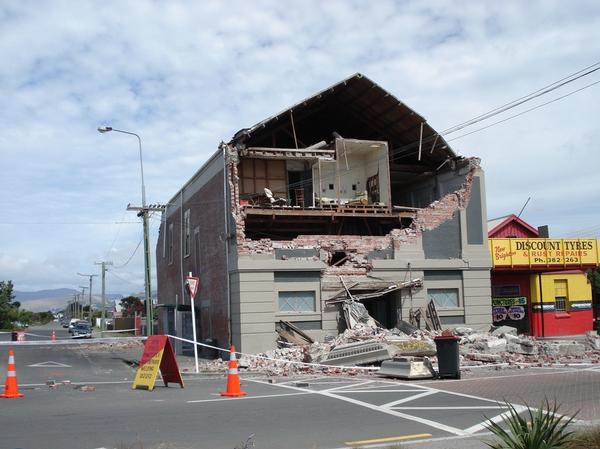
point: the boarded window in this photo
(444, 298)
(303, 301)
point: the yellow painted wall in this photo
(579, 289)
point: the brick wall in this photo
(208, 216)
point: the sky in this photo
(187, 75)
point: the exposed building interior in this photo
(350, 160)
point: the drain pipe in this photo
(226, 205)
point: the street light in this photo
(144, 214)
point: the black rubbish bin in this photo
(448, 357)
(14, 336)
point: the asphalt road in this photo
(316, 412)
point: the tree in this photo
(132, 305)
(7, 308)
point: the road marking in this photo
(373, 390)
(328, 393)
(458, 407)
(495, 419)
(388, 439)
(49, 364)
(250, 397)
(348, 386)
(408, 399)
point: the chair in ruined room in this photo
(299, 194)
(274, 201)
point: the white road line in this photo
(408, 399)
(343, 387)
(427, 422)
(250, 397)
(373, 390)
(477, 427)
(49, 364)
(458, 407)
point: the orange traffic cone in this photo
(53, 336)
(11, 387)
(233, 377)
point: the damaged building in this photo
(348, 197)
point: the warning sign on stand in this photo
(158, 355)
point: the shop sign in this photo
(544, 252)
(516, 313)
(515, 301)
(499, 314)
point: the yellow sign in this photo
(567, 253)
(145, 377)
(152, 360)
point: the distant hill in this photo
(56, 299)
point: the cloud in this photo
(186, 75)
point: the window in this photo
(186, 231)
(444, 298)
(170, 243)
(302, 301)
(197, 250)
(506, 290)
(560, 295)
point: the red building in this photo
(539, 284)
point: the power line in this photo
(130, 257)
(525, 111)
(112, 273)
(519, 101)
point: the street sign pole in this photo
(192, 286)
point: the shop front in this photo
(539, 285)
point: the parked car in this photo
(73, 323)
(81, 329)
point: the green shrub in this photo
(543, 428)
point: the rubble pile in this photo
(503, 346)
(277, 361)
(498, 347)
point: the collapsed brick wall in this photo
(355, 246)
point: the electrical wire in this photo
(117, 267)
(521, 100)
(124, 280)
(525, 111)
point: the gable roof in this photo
(357, 108)
(496, 225)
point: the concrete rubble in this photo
(500, 347)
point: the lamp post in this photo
(144, 214)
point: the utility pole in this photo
(103, 265)
(83, 289)
(143, 212)
(90, 293)
(75, 308)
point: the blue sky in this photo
(186, 75)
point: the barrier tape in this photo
(315, 365)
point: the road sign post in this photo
(193, 283)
